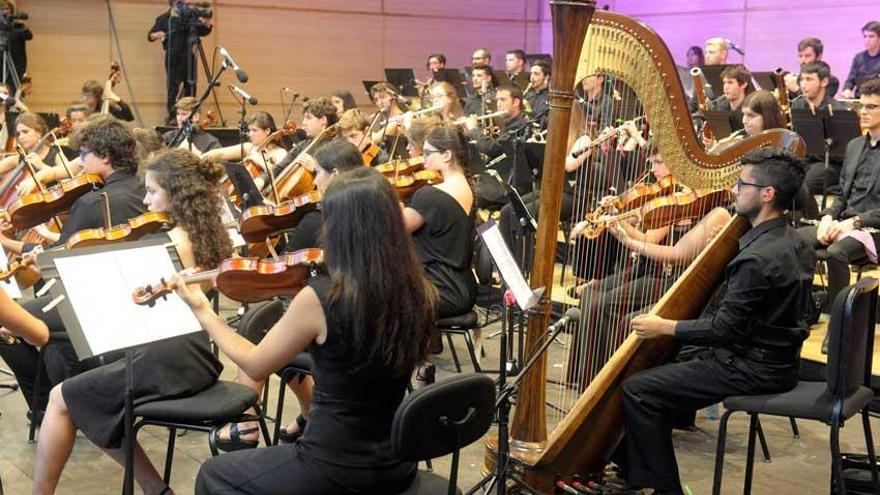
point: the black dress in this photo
(168, 369)
(445, 246)
(346, 446)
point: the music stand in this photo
(531, 58)
(368, 85)
(722, 122)
(712, 75)
(809, 127)
(453, 77)
(243, 184)
(92, 312)
(404, 80)
(841, 128)
(766, 80)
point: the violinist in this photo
(366, 326)
(441, 220)
(29, 131)
(318, 115)
(257, 150)
(202, 140)
(149, 143)
(178, 184)
(387, 101)
(354, 127)
(77, 113)
(343, 100)
(93, 93)
(332, 159)
(107, 148)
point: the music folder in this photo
(368, 85)
(453, 77)
(712, 76)
(91, 288)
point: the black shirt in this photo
(801, 103)
(540, 103)
(473, 104)
(118, 109)
(768, 286)
(858, 181)
(175, 38)
(125, 193)
(201, 140)
(445, 246)
(863, 65)
(307, 232)
(19, 35)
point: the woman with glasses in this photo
(441, 221)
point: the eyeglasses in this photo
(428, 152)
(870, 106)
(740, 183)
(83, 153)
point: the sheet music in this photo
(99, 287)
(510, 272)
(10, 285)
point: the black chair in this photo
(461, 325)
(207, 411)
(845, 392)
(441, 419)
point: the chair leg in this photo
(279, 409)
(471, 350)
(169, 455)
(838, 485)
(764, 449)
(38, 384)
(719, 453)
(869, 442)
(454, 354)
(794, 428)
(754, 425)
(263, 428)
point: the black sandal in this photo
(288, 438)
(425, 375)
(235, 442)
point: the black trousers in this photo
(176, 69)
(512, 231)
(652, 397)
(841, 254)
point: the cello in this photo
(294, 180)
(112, 79)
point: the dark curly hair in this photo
(108, 138)
(194, 192)
(779, 169)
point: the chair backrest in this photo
(851, 332)
(441, 418)
(259, 318)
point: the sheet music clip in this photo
(53, 303)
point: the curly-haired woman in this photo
(186, 188)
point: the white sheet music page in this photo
(100, 286)
(9, 285)
(510, 272)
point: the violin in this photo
(112, 79)
(402, 166)
(9, 185)
(208, 120)
(660, 212)
(640, 194)
(295, 180)
(14, 267)
(247, 280)
(22, 270)
(133, 230)
(370, 153)
(259, 222)
(407, 185)
(36, 208)
(254, 167)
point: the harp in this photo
(589, 42)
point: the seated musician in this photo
(489, 193)
(441, 220)
(436, 62)
(149, 144)
(77, 113)
(858, 206)
(815, 82)
(482, 99)
(388, 102)
(366, 326)
(443, 95)
(736, 79)
(343, 100)
(481, 56)
(515, 66)
(178, 184)
(354, 127)
(30, 129)
(107, 148)
(538, 94)
(810, 51)
(318, 115)
(332, 159)
(756, 332)
(260, 126)
(202, 140)
(866, 63)
(93, 93)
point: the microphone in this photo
(573, 314)
(240, 92)
(7, 100)
(735, 47)
(239, 73)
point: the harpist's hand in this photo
(650, 326)
(191, 294)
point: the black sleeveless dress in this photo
(346, 446)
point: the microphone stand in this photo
(186, 129)
(242, 124)
(503, 403)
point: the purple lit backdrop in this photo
(768, 30)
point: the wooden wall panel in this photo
(311, 46)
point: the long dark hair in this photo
(380, 294)
(194, 192)
(346, 97)
(766, 105)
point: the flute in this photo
(462, 120)
(399, 118)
